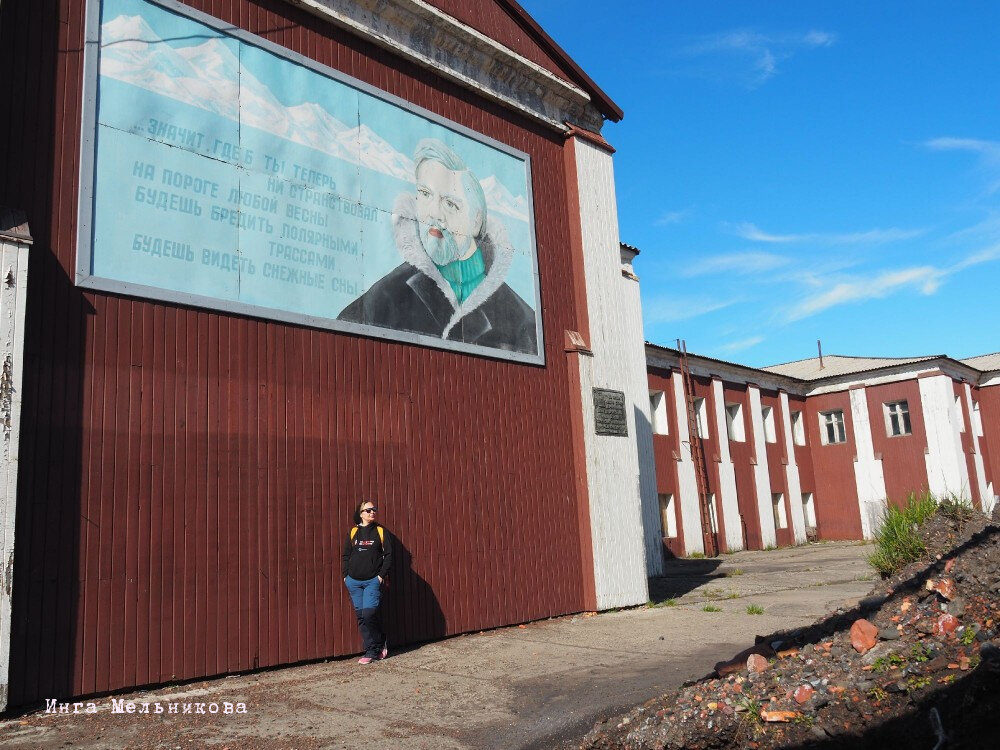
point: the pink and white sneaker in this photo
(385, 653)
(365, 660)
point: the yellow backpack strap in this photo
(381, 534)
(354, 530)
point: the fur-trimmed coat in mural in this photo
(416, 297)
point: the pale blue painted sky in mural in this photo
(794, 171)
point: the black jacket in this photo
(406, 299)
(366, 556)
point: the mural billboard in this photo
(223, 171)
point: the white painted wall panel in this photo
(13, 287)
(727, 473)
(762, 480)
(868, 472)
(947, 472)
(613, 473)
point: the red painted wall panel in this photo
(903, 464)
(803, 453)
(742, 454)
(710, 453)
(776, 463)
(989, 410)
(836, 496)
(968, 449)
(665, 452)
(187, 476)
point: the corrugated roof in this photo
(984, 362)
(836, 364)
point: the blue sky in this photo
(794, 171)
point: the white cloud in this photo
(763, 51)
(668, 309)
(741, 344)
(673, 217)
(989, 154)
(922, 279)
(739, 263)
(752, 232)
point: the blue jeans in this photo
(366, 597)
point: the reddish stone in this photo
(864, 636)
(739, 662)
(773, 716)
(946, 624)
(756, 663)
(946, 588)
(803, 693)
(949, 565)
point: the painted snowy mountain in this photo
(501, 200)
(209, 76)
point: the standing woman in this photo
(366, 561)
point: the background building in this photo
(815, 447)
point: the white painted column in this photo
(618, 363)
(727, 473)
(792, 474)
(631, 307)
(868, 472)
(14, 242)
(985, 492)
(687, 484)
(765, 512)
(947, 471)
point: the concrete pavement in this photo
(540, 685)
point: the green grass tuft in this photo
(897, 542)
(755, 609)
(711, 608)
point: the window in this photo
(831, 427)
(798, 428)
(959, 415)
(767, 414)
(658, 413)
(668, 516)
(897, 419)
(701, 417)
(977, 420)
(778, 506)
(809, 510)
(734, 423)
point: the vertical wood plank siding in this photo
(836, 498)
(903, 463)
(989, 409)
(188, 476)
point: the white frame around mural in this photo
(84, 259)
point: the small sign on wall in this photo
(609, 413)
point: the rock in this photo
(888, 634)
(945, 587)
(871, 602)
(738, 662)
(946, 624)
(957, 605)
(864, 635)
(803, 693)
(756, 663)
(925, 626)
(778, 716)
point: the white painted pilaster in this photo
(687, 484)
(14, 242)
(985, 492)
(613, 473)
(762, 480)
(792, 474)
(947, 471)
(868, 472)
(727, 473)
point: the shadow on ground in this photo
(681, 576)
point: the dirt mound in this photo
(916, 664)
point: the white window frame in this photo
(701, 417)
(831, 424)
(959, 414)
(735, 426)
(658, 413)
(798, 428)
(767, 417)
(897, 416)
(668, 516)
(977, 420)
(779, 511)
(809, 510)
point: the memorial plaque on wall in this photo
(609, 412)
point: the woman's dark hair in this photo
(357, 510)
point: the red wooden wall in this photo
(968, 448)
(666, 450)
(903, 457)
(989, 443)
(742, 453)
(803, 453)
(776, 463)
(187, 476)
(836, 496)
